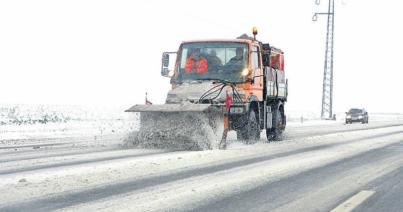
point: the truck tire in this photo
(253, 127)
(241, 133)
(240, 136)
(275, 133)
(251, 132)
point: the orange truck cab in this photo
(244, 76)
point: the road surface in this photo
(318, 167)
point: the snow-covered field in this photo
(26, 125)
(80, 164)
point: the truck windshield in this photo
(213, 60)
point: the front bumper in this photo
(355, 120)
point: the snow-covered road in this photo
(88, 174)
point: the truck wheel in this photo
(251, 132)
(274, 134)
(253, 128)
(240, 135)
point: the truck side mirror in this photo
(165, 59)
(166, 69)
(165, 64)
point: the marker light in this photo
(254, 30)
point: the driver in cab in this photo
(196, 63)
(238, 59)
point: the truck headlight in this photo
(360, 117)
(245, 72)
(348, 116)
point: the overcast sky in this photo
(109, 52)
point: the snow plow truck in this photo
(217, 86)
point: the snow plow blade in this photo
(178, 126)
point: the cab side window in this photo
(255, 58)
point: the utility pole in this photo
(327, 93)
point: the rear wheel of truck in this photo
(250, 133)
(275, 133)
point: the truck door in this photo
(257, 73)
